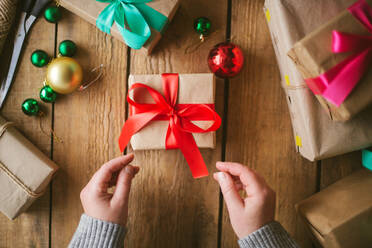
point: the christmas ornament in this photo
(202, 26)
(64, 75)
(39, 58)
(67, 48)
(225, 60)
(30, 107)
(52, 14)
(47, 94)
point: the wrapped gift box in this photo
(193, 89)
(25, 171)
(313, 56)
(90, 10)
(340, 216)
(316, 135)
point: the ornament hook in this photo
(100, 70)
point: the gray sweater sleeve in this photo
(92, 233)
(272, 235)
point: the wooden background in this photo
(168, 208)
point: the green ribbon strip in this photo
(367, 159)
(133, 19)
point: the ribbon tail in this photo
(106, 18)
(190, 151)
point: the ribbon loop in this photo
(133, 19)
(337, 83)
(180, 116)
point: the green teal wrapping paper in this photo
(90, 10)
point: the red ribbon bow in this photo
(338, 82)
(180, 116)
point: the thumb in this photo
(230, 194)
(124, 182)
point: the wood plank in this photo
(168, 208)
(334, 169)
(88, 122)
(264, 140)
(32, 226)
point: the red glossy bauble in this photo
(225, 60)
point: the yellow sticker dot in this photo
(286, 78)
(298, 141)
(268, 16)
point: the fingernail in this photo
(129, 170)
(221, 176)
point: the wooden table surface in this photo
(168, 208)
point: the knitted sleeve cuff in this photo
(92, 233)
(272, 235)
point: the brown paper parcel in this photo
(193, 88)
(90, 10)
(313, 56)
(316, 135)
(340, 216)
(25, 171)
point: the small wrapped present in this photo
(340, 216)
(335, 60)
(25, 171)
(172, 111)
(138, 23)
(316, 136)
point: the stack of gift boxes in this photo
(324, 52)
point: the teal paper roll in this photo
(367, 159)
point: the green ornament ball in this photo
(52, 14)
(202, 25)
(30, 107)
(47, 94)
(39, 58)
(67, 48)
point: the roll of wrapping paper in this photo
(7, 13)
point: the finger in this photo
(230, 194)
(104, 174)
(121, 194)
(247, 176)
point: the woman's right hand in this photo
(257, 209)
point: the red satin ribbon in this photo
(180, 129)
(338, 82)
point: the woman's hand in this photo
(257, 209)
(98, 202)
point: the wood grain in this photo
(168, 208)
(32, 226)
(88, 122)
(265, 140)
(334, 169)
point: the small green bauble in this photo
(52, 14)
(67, 48)
(47, 94)
(202, 25)
(39, 58)
(30, 107)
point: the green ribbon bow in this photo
(133, 19)
(367, 159)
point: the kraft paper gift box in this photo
(313, 56)
(316, 135)
(90, 10)
(340, 216)
(193, 89)
(25, 171)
